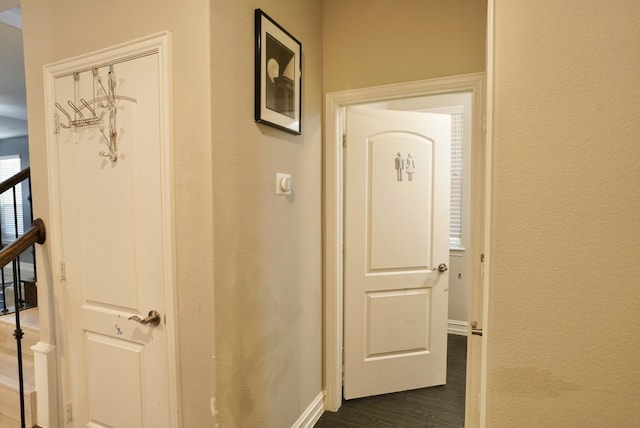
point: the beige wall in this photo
(55, 31)
(563, 341)
(376, 42)
(563, 323)
(267, 247)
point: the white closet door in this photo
(113, 220)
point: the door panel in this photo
(396, 322)
(393, 225)
(113, 245)
(114, 396)
(396, 235)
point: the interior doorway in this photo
(401, 96)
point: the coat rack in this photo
(105, 104)
(81, 121)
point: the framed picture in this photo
(278, 75)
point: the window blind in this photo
(9, 166)
(455, 231)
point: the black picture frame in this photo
(278, 76)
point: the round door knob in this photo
(442, 267)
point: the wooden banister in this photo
(36, 234)
(15, 179)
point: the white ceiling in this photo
(13, 99)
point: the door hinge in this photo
(344, 140)
(63, 271)
(481, 264)
(68, 412)
(342, 366)
(56, 123)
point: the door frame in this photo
(54, 376)
(335, 106)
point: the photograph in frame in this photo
(278, 76)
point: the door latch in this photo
(474, 329)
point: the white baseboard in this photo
(457, 327)
(312, 414)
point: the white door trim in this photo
(488, 137)
(336, 102)
(159, 44)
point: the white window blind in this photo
(455, 233)
(9, 166)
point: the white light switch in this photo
(283, 184)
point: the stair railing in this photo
(11, 184)
(11, 254)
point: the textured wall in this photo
(55, 31)
(377, 42)
(564, 342)
(268, 248)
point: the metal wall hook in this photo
(111, 142)
(105, 99)
(80, 120)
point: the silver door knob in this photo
(442, 267)
(153, 319)
(474, 328)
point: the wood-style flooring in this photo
(435, 407)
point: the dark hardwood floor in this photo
(437, 407)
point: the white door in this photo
(114, 244)
(397, 177)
